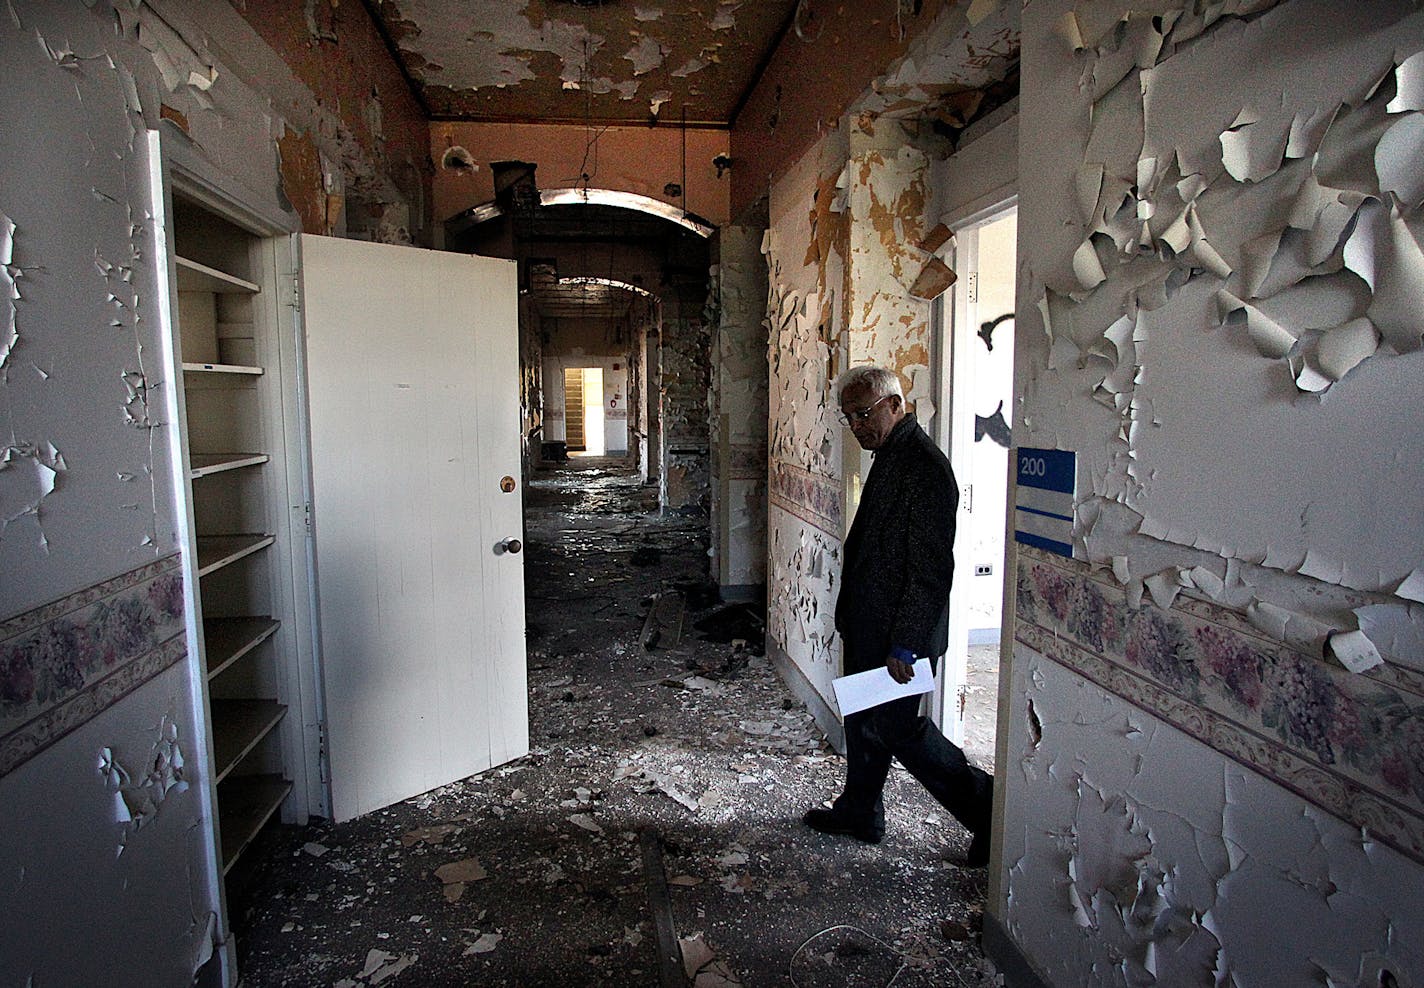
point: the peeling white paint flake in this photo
(1354, 651)
(647, 54)
(9, 293)
(1385, 252)
(136, 407)
(724, 19)
(28, 475)
(690, 67)
(138, 795)
(1408, 85)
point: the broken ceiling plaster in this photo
(498, 52)
(646, 54)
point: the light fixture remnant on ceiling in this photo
(626, 200)
(608, 283)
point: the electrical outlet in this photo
(983, 569)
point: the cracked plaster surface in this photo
(1187, 262)
(1112, 872)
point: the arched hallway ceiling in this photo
(587, 261)
(578, 60)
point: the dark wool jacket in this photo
(899, 555)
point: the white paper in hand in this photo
(864, 690)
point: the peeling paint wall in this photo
(844, 251)
(931, 61)
(91, 602)
(888, 204)
(684, 374)
(101, 789)
(806, 246)
(1137, 854)
(1213, 769)
(817, 70)
(371, 134)
(739, 409)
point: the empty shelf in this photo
(229, 639)
(222, 368)
(195, 277)
(245, 804)
(238, 725)
(217, 551)
(207, 464)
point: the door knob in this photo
(511, 545)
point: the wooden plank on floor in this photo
(670, 974)
(662, 628)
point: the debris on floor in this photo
(532, 873)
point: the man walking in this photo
(893, 608)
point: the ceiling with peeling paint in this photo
(627, 61)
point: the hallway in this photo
(531, 874)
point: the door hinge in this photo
(963, 700)
(306, 517)
(967, 497)
(971, 286)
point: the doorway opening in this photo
(978, 328)
(583, 411)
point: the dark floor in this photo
(698, 742)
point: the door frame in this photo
(953, 431)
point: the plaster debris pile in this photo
(533, 872)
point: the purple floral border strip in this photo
(65, 662)
(815, 500)
(1350, 744)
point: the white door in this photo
(412, 367)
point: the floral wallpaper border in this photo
(1350, 744)
(66, 662)
(815, 500)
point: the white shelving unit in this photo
(237, 487)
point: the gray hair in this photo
(881, 380)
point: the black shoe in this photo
(978, 856)
(830, 822)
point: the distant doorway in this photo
(584, 428)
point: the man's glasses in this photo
(861, 414)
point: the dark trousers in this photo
(896, 730)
